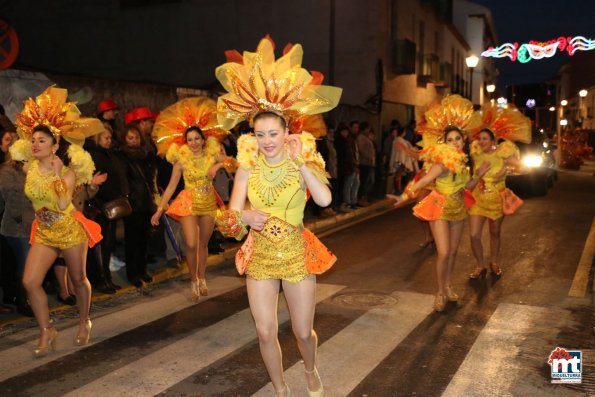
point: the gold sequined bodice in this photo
(496, 165)
(39, 188)
(195, 170)
(276, 190)
(447, 185)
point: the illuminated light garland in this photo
(539, 50)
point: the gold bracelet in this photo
(60, 187)
(299, 161)
(230, 224)
(405, 196)
(230, 164)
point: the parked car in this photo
(538, 158)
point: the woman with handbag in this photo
(491, 194)
(180, 132)
(139, 168)
(110, 202)
(276, 172)
(444, 207)
(46, 126)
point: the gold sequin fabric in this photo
(279, 252)
(55, 227)
(488, 202)
(453, 189)
(198, 197)
(62, 234)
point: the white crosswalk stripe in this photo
(369, 339)
(168, 366)
(346, 358)
(21, 356)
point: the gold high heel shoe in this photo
(320, 391)
(495, 269)
(439, 303)
(82, 340)
(42, 351)
(285, 392)
(202, 287)
(195, 290)
(479, 272)
(450, 294)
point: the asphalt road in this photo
(377, 331)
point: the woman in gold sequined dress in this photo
(276, 172)
(197, 161)
(493, 143)
(58, 227)
(448, 168)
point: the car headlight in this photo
(532, 160)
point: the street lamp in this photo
(563, 122)
(491, 88)
(552, 108)
(563, 102)
(472, 60)
(582, 93)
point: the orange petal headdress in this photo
(256, 83)
(62, 118)
(172, 122)
(452, 110)
(507, 123)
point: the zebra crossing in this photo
(171, 346)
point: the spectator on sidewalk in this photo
(140, 173)
(347, 167)
(367, 163)
(403, 163)
(15, 226)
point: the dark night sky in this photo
(541, 20)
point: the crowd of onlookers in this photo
(362, 167)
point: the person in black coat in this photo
(140, 173)
(108, 161)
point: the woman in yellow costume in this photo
(180, 133)
(276, 172)
(446, 165)
(509, 125)
(43, 126)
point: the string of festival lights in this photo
(539, 50)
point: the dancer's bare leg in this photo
(190, 228)
(76, 261)
(301, 300)
(205, 230)
(39, 260)
(263, 296)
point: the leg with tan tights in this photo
(190, 228)
(39, 260)
(263, 296)
(205, 230)
(76, 261)
(476, 223)
(495, 229)
(456, 232)
(301, 300)
(441, 232)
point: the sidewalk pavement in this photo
(161, 272)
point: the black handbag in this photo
(116, 209)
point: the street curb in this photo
(325, 225)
